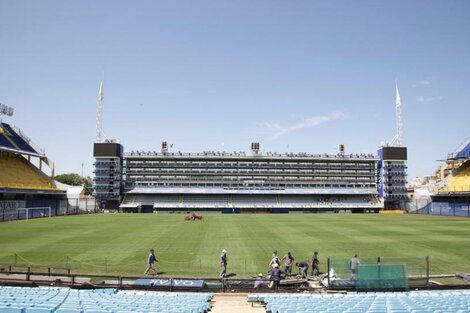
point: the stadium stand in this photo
(462, 152)
(236, 182)
(134, 202)
(455, 177)
(460, 180)
(405, 302)
(449, 187)
(64, 300)
(5, 143)
(12, 138)
(17, 172)
(26, 177)
(262, 201)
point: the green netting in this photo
(382, 277)
(416, 266)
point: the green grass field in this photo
(119, 243)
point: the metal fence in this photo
(65, 277)
(341, 275)
(239, 267)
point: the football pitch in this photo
(119, 243)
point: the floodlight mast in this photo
(399, 117)
(397, 140)
(99, 115)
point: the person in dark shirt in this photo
(276, 276)
(315, 264)
(151, 259)
(303, 268)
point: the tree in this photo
(88, 185)
(71, 179)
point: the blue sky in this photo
(300, 76)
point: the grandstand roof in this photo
(462, 152)
(14, 140)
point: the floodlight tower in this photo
(397, 140)
(399, 117)
(392, 165)
(108, 164)
(99, 115)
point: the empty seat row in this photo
(64, 300)
(404, 302)
(17, 172)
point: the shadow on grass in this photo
(153, 275)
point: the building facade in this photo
(254, 182)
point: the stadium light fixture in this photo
(6, 110)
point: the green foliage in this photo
(71, 179)
(88, 186)
(119, 243)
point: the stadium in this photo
(248, 203)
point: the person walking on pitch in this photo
(151, 260)
(223, 263)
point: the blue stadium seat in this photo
(63, 300)
(10, 309)
(39, 310)
(405, 302)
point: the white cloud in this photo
(424, 82)
(312, 121)
(422, 99)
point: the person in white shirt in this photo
(353, 264)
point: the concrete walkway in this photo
(233, 303)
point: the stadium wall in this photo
(446, 208)
(11, 209)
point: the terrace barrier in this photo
(64, 277)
